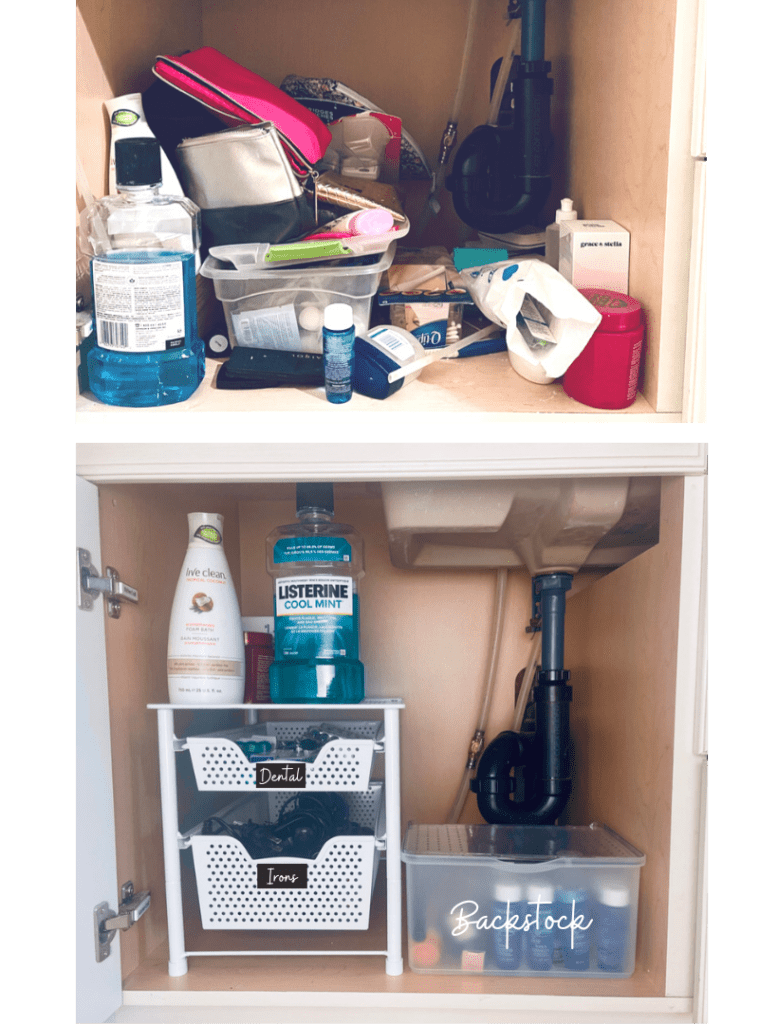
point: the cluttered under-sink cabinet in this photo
(635, 66)
(634, 646)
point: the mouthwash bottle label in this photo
(139, 307)
(312, 549)
(315, 617)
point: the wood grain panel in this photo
(116, 46)
(621, 647)
(619, 60)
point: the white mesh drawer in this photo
(339, 887)
(342, 764)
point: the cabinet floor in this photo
(485, 384)
(270, 976)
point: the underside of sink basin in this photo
(545, 525)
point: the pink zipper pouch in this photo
(239, 96)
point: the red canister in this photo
(605, 374)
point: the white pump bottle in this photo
(206, 651)
(553, 232)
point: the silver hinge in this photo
(131, 908)
(89, 584)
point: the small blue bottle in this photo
(339, 338)
(612, 927)
(573, 945)
(507, 943)
(540, 937)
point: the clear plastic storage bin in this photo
(521, 900)
(338, 885)
(283, 307)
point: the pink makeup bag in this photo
(238, 96)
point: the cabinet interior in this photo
(612, 68)
(424, 637)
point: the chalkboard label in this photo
(281, 775)
(282, 876)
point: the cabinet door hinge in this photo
(89, 584)
(131, 908)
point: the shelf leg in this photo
(170, 821)
(394, 962)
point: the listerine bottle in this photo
(316, 566)
(144, 249)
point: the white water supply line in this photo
(432, 206)
(448, 141)
(478, 739)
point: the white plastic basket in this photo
(340, 879)
(342, 764)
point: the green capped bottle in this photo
(316, 566)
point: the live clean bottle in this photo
(144, 249)
(206, 653)
(316, 565)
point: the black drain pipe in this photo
(540, 788)
(501, 173)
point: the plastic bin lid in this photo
(246, 262)
(565, 845)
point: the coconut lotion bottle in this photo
(206, 653)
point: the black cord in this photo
(304, 824)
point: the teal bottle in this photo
(144, 249)
(316, 565)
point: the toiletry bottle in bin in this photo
(316, 566)
(144, 249)
(605, 374)
(540, 938)
(507, 941)
(206, 656)
(613, 927)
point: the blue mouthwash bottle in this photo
(144, 249)
(316, 566)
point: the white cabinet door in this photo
(98, 984)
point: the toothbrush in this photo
(449, 352)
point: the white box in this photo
(594, 254)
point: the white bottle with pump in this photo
(206, 652)
(553, 232)
(127, 120)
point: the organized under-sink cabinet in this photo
(634, 645)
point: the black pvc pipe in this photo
(551, 590)
(545, 756)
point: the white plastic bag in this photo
(499, 289)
